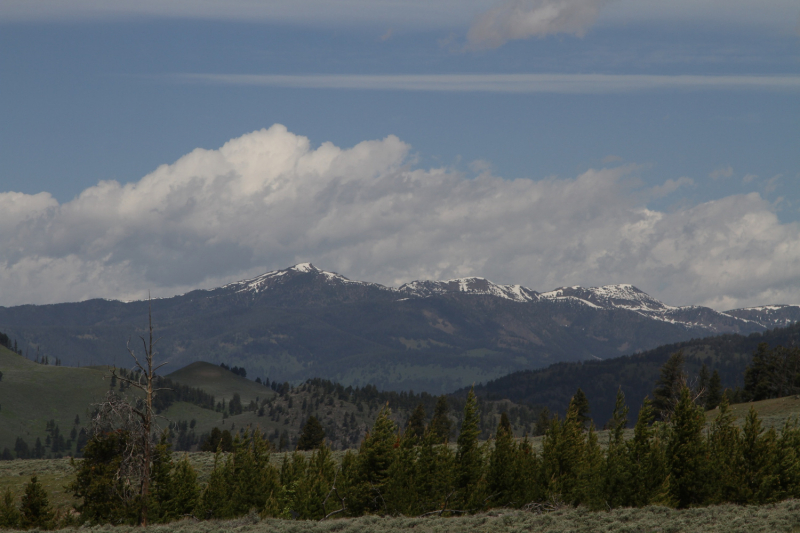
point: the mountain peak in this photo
(305, 268)
(474, 285)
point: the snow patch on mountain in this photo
(276, 277)
(515, 293)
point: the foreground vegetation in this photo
(782, 517)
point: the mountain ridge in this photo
(302, 322)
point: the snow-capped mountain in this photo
(276, 278)
(515, 293)
(303, 322)
(623, 297)
(769, 316)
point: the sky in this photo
(167, 146)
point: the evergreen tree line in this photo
(170, 392)
(680, 462)
(55, 445)
(553, 386)
(6, 341)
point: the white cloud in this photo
(500, 83)
(670, 186)
(721, 172)
(523, 19)
(268, 200)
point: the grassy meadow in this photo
(783, 517)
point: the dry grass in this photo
(782, 517)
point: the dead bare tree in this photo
(137, 418)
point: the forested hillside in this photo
(45, 410)
(636, 374)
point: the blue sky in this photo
(690, 106)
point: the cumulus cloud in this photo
(670, 186)
(721, 172)
(269, 199)
(523, 19)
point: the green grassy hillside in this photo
(32, 394)
(219, 382)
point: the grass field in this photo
(32, 394)
(780, 518)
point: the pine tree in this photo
(542, 422)
(35, 508)
(527, 483)
(104, 497)
(314, 485)
(787, 460)
(617, 469)
(9, 514)
(714, 395)
(582, 408)
(440, 425)
(686, 453)
(215, 499)
(415, 429)
(725, 469)
(758, 454)
(757, 382)
(645, 469)
(469, 458)
(433, 474)
(500, 474)
(563, 456)
(375, 458)
(186, 490)
(669, 386)
(703, 382)
(312, 436)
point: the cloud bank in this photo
(268, 199)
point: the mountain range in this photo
(436, 336)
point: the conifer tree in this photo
(375, 458)
(9, 514)
(787, 460)
(542, 422)
(642, 462)
(528, 485)
(563, 456)
(250, 477)
(703, 382)
(35, 508)
(582, 408)
(725, 468)
(186, 490)
(310, 483)
(714, 395)
(669, 386)
(433, 474)
(105, 496)
(500, 474)
(591, 477)
(214, 501)
(757, 382)
(415, 429)
(686, 453)
(162, 490)
(312, 436)
(617, 482)
(440, 424)
(760, 479)
(469, 458)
